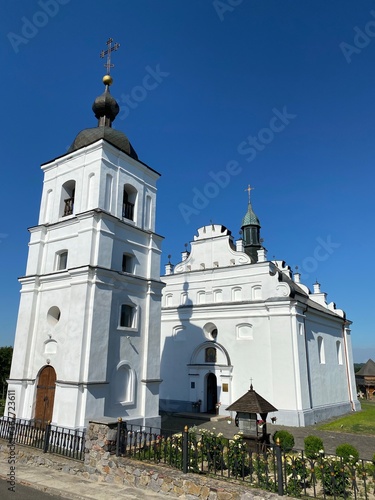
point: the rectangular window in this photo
(127, 315)
(127, 263)
(62, 261)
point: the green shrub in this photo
(348, 453)
(313, 446)
(286, 440)
(335, 478)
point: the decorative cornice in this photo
(81, 383)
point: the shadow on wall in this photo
(190, 391)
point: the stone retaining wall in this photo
(33, 456)
(101, 465)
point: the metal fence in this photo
(290, 473)
(47, 437)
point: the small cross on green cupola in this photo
(251, 230)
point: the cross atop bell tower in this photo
(108, 52)
(249, 189)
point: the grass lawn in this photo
(362, 422)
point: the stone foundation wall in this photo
(33, 456)
(101, 465)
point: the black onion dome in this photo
(114, 137)
(106, 109)
(106, 106)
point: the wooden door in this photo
(45, 395)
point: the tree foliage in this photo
(5, 362)
(358, 366)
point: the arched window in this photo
(67, 198)
(322, 358)
(128, 202)
(108, 193)
(148, 208)
(245, 331)
(127, 316)
(236, 293)
(184, 298)
(256, 292)
(179, 333)
(90, 191)
(168, 300)
(218, 295)
(201, 297)
(339, 352)
(124, 384)
(48, 206)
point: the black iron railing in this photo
(267, 467)
(128, 210)
(68, 206)
(47, 437)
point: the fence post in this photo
(185, 449)
(280, 481)
(118, 436)
(47, 436)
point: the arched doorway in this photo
(211, 392)
(45, 395)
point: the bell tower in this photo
(90, 298)
(251, 230)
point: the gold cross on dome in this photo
(107, 53)
(249, 189)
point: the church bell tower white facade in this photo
(88, 334)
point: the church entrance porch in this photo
(45, 395)
(209, 379)
(211, 393)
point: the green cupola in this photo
(251, 231)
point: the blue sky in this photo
(223, 71)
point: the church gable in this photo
(212, 248)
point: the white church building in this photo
(95, 339)
(231, 317)
(88, 333)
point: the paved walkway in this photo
(365, 444)
(64, 485)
